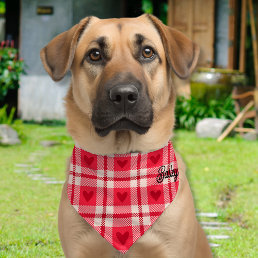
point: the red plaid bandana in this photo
(122, 195)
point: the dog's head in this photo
(121, 70)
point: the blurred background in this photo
(220, 99)
(219, 27)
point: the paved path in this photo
(215, 230)
(33, 172)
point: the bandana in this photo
(122, 195)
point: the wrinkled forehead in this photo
(123, 30)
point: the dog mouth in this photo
(123, 124)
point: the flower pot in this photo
(213, 83)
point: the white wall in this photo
(40, 98)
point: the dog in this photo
(121, 100)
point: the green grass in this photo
(28, 209)
(223, 178)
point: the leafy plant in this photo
(11, 67)
(190, 111)
(6, 118)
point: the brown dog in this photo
(108, 58)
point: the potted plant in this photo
(215, 83)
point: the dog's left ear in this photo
(182, 54)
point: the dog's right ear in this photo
(57, 56)
(181, 53)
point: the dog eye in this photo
(148, 53)
(95, 55)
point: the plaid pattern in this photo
(122, 195)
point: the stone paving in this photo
(214, 229)
(33, 172)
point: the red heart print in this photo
(88, 160)
(155, 159)
(155, 194)
(122, 237)
(87, 195)
(121, 196)
(122, 163)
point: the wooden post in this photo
(255, 53)
(242, 37)
(244, 130)
(236, 121)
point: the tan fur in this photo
(176, 233)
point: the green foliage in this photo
(11, 68)
(190, 111)
(147, 6)
(6, 118)
(163, 12)
(2, 7)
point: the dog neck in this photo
(80, 127)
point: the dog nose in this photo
(124, 95)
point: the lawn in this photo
(223, 178)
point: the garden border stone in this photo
(211, 127)
(8, 136)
